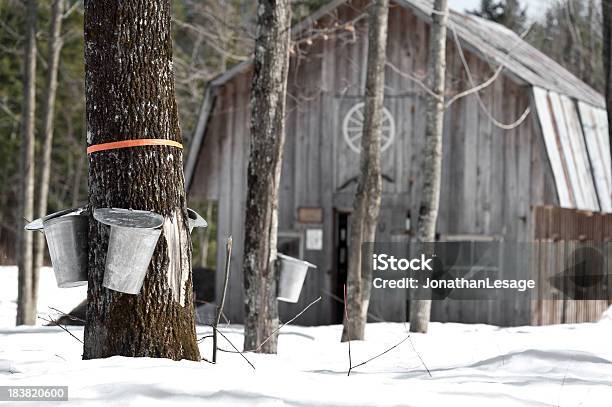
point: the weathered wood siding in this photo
(491, 177)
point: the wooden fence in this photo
(568, 236)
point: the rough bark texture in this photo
(607, 58)
(369, 188)
(267, 130)
(26, 306)
(130, 95)
(420, 310)
(53, 55)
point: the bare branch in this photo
(415, 79)
(382, 353)
(492, 79)
(493, 120)
(235, 348)
(286, 323)
(52, 321)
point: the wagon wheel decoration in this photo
(352, 128)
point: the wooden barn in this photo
(495, 176)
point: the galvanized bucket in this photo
(132, 241)
(292, 275)
(66, 233)
(195, 220)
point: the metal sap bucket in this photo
(132, 241)
(195, 220)
(292, 275)
(66, 233)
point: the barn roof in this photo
(491, 41)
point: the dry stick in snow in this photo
(287, 323)
(351, 367)
(279, 328)
(237, 351)
(420, 358)
(52, 321)
(70, 317)
(228, 255)
(382, 353)
(348, 333)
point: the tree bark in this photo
(369, 187)
(420, 310)
(130, 95)
(607, 58)
(267, 132)
(26, 306)
(54, 49)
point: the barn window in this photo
(352, 128)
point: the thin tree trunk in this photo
(130, 95)
(369, 187)
(268, 94)
(26, 307)
(420, 310)
(54, 49)
(607, 57)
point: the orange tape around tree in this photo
(133, 143)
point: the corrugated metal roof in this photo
(574, 136)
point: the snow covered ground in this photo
(471, 365)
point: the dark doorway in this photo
(341, 243)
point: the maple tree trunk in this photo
(267, 132)
(420, 310)
(364, 218)
(130, 95)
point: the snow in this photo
(471, 365)
(63, 299)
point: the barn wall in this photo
(491, 177)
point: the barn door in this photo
(341, 236)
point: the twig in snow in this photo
(70, 317)
(563, 384)
(228, 256)
(348, 333)
(287, 323)
(51, 320)
(417, 353)
(382, 353)
(277, 329)
(235, 348)
(419, 356)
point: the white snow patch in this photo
(50, 295)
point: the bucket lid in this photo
(284, 257)
(37, 224)
(128, 218)
(195, 220)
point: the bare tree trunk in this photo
(26, 306)
(268, 94)
(130, 95)
(607, 58)
(54, 49)
(420, 310)
(369, 187)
